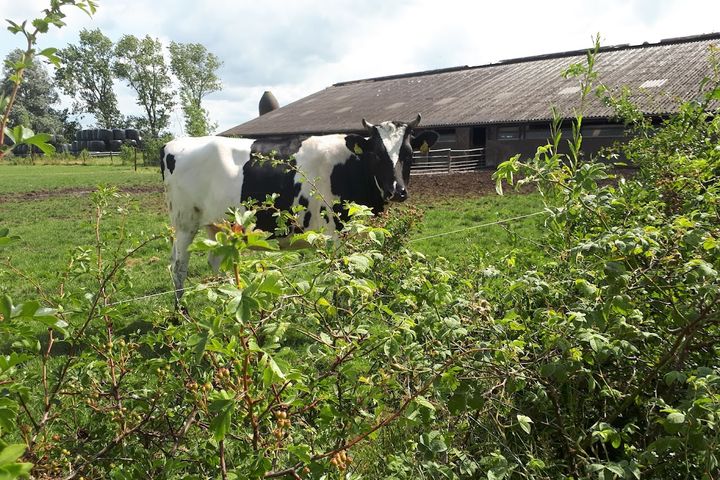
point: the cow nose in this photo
(400, 195)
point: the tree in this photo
(85, 75)
(15, 71)
(35, 97)
(141, 64)
(196, 69)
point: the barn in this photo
(487, 113)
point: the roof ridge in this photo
(532, 58)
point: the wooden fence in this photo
(446, 160)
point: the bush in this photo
(127, 153)
(618, 367)
(151, 149)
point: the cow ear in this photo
(424, 141)
(357, 144)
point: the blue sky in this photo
(295, 48)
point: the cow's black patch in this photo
(306, 220)
(303, 200)
(352, 181)
(281, 147)
(340, 214)
(170, 161)
(162, 162)
(263, 177)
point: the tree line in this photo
(87, 72)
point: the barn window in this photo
(508, 133)
(446, 136)
(537, 132)
(608, 130)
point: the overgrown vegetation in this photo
(597, 357)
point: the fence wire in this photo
(304, 264)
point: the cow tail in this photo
(162, 161)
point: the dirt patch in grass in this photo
(71, 192)
(471, 184)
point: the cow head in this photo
(389, 153)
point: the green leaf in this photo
(8, 414)
(9, 361)
(676, 417)
(40, 141)
(302, 452)
(15, 470)
(271, 284)
(424, 402)
(49, 53)
(11, 453)
(434, 442)
(587, 289)
(675, 377)
(274, 367)
(5, 238)
(377, 237)
(524, 422)
(6, 306)
(199, 342)
(358, 262)
(714, 94)
(19, 133)
(616, 469)
(457, 402)
(27, 309)
(52, 322)
(710, 243)
(220, 425)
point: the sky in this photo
(297, 47)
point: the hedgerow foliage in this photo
(619, 366)
(373, 361)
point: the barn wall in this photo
(498, 151)
(500, 146)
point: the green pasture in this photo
(37, 178)
(50, 208)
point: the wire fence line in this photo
(312, 262)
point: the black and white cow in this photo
(204, 176)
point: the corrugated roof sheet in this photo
(518, 90)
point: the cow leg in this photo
(213, 260)
(180, 259)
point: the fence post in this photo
(449, 161)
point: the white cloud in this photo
(296, 48)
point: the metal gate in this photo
(446, 160)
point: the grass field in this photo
(29, 178)
(50, 208)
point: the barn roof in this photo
(660, 75)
